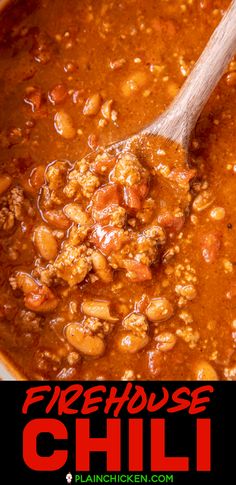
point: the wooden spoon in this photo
(179, 120)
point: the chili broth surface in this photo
(114, 265)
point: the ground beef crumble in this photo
(137, 324)
(11, 208)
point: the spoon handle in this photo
(178, 121)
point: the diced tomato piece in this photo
(137, 271)
(108, 238)
(103, 200)
(106, 195)
(210, 244)
(171, 222)
(134, 195)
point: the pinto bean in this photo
(203, 201)
(130, 343)
(25, 282)
(57, 94)
(99, 309)
(92, 105)
(5, 182)
(45, 242)
(166, 341)
(36, 179)
(64, 125)
(90, 345)
(101, 267)
(41, 300)
(203, 371)
(134, 83)
(57, 219)
(217, 214)
(75, 213)
(159, 310)
(36, 298)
